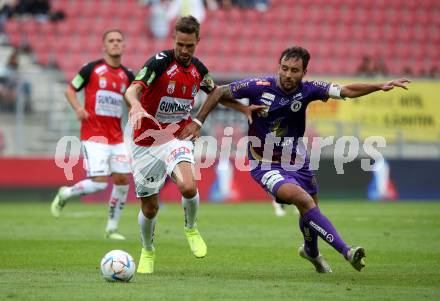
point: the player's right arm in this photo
(228, 100)
(81, 113)
(80, 80)
(136, 111)
(223, 95)
(192, 130)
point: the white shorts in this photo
(104, 159)
(152, 164)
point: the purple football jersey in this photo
(284, 120)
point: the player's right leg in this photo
(321, 265)
(96, 161)
(147, 223)
(313, 219)
(149, 178)
(120, 170)
(293, 193)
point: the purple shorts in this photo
(272, 179)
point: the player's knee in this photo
(150, 206)
(149, 213)
(188, 190)
(150, 210)
(121, 179)
(305, 204)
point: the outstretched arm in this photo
(361, 89)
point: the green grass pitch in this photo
(252, 254)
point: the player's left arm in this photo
(361, 89)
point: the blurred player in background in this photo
(284, 99)
(280, 209)
(161, 98)
(105, 82)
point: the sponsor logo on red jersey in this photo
(171, 87)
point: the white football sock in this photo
(116, 204)
(190, 207)
(83, 187)
(147, 231)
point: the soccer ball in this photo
(117, 265)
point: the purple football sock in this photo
(324, 228)
(310, 239)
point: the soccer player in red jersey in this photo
(161, 97)
(105, 82)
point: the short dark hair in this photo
(296, 52)
(111, 30)
(188, 24)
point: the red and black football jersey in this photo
(168, 94)
(104, 88)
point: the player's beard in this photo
(288, 85)
(185, 61)
(116, 56)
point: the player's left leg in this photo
(120, 169)
(309, 234)
(309, 250)
(116, 204)
(180, 166)
(183, 176)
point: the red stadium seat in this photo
(74, 9)
(250, 16)
(16, 39)
(12, 27)
(337, 33)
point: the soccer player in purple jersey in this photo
(279, 122)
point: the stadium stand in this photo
(235, 43)
(338, 33)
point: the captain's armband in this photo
(334, 91)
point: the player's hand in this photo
(135, 115)
(253, 108)
(81, 114)
(402, 83)
(190, 132)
